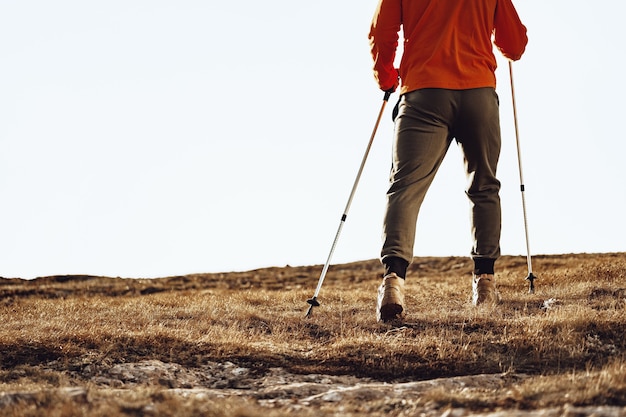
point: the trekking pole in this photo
(313, 301)
(530, 276)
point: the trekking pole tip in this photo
(313, 303)
(531, 279)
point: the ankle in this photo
(484, 266)
(396, 265)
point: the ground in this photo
(238, 344)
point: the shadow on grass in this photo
(359, 360)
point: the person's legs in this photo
(421, 140)
(478, 133)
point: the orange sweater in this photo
(447, 43)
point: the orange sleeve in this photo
(383, 38)
(509, 32)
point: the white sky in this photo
(151, 138)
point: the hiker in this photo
(447, 91)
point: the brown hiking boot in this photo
(390, 305)
(484, 290)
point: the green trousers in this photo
(426, 122)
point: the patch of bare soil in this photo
(284, 391)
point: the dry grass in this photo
(61, 332)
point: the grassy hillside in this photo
(239, 344)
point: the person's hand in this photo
(395, 85)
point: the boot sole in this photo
(390, 312)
